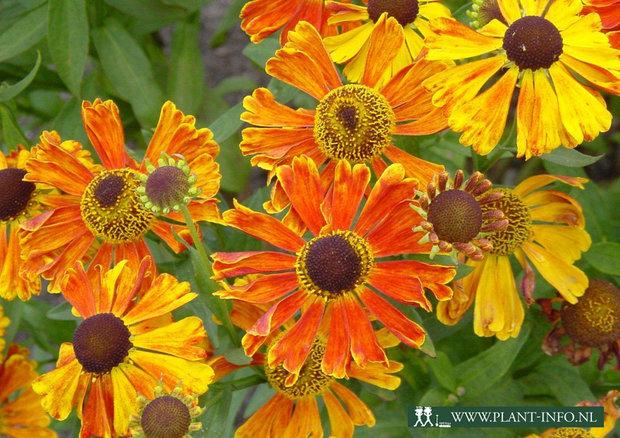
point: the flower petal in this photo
(364, 344)
(264, 289)
(183, 338)
(336, 359)
(278, 314)
(385, 40)
(339, 420)
(348, 189)
(404, 289)
(453, 40)
(263, 110)
(236, 264)
(103, 126)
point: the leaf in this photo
(564, 381)
(235, 84)
(10, 91)
(24, 33)
(11, 131)
(227, 124)
(190, 5)
(482, 371)
(67, 38)
(228, 22)
(129, 69)
(570, 157)
(61, 312)
(216, 419)
(462, 270)
(605, 257)
(186, 84)
(260, 53)
(237, 356)
(148, 9)
(68, 122)
(443, 371)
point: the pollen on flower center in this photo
(353, 122)
(101, 342)
(334, 264)
(456, 216)
(508, 239)
(167, 186)
(311, 380)
(111, 207)
(595, 319)
(405, 11)
(166, 417)
(533, 42)
(15, 194)
(570, 432)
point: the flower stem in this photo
(221, 310)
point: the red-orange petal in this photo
(348, 189)
(262, 290)
(336, 358)
(386, 38)
(364, 344)
(394, 235)
(236, 264)
(103, 126)
(405, 289)
(278, 314)
(263, 110)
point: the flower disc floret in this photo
(405, 11)
(517, 232)
(570, 432)
(101, 342)
(111, 207)
(595, 319)
(334, 264)
(533, 42)
(353, 122)
(15, 194)
(166, 417)
(456, 216)
(311, 380)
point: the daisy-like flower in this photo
(166, 415)
(126, 343)
(545, 227)
(611, 415)
(293, 410)
(453, 214)
(337, 276)
(352, 46)
(353, 122)
(261, 18)
(18, 201)
(542, 48)
(99, 210)
(21, 414)
(592, 322)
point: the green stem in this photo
(202, 248)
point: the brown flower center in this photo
(101, 342)
(595, 319)
(167, 186)
(508, 239)
(533, 42)
(405, 11)
(334, 264)
(353, 122)
(15, 194)
(456, 216)
(166, 417)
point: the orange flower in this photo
(21, 414)
(126, 343)
(355, 122)
(609, 11)
(351, 47)
(554, 107)
(99, 209)
(335, 277)
(261, 18)
(18, 200)
(545, 227)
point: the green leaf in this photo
(462, 271)
(61, 312)
(570, 157)
(190, 5)
(564, 381)
(216, 418)
(148, 9)
(234, 84)
(24, 33)
(227, 124)
(237, 356)
(482, 371)
(228, 22)
(11, 131)
(129, 69)
(260, 53)
(67, 38)
(186, 86)
(605, 257)
(443, 371)
(68, 122)
(10, 91)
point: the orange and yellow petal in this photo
(337, 358)
(236, 264)
(58, 389)
(347, 192)
(184, 338)
(357, 409)
(339, 420)
(306, 420)
(263, 289)
(535, 182)
(263, 110)
(12, 284)
(386, 38)
(363, 341)
(453, 40)
(271, 419)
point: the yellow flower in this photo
(126, 343)
(545, 227)
(544, 48)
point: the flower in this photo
(592, 322)
(540, 50)
(611, 415)
(126, 343)
(99, 211)
(453, 215)
(18, 200)
(21, 413)
(261, 18)
(609, 11)
(351, 47)
(483, 11)
(293, 409)
(354, 122)
(328, 275)
(166, 415)
(545, 227)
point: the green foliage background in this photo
(55, 53)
